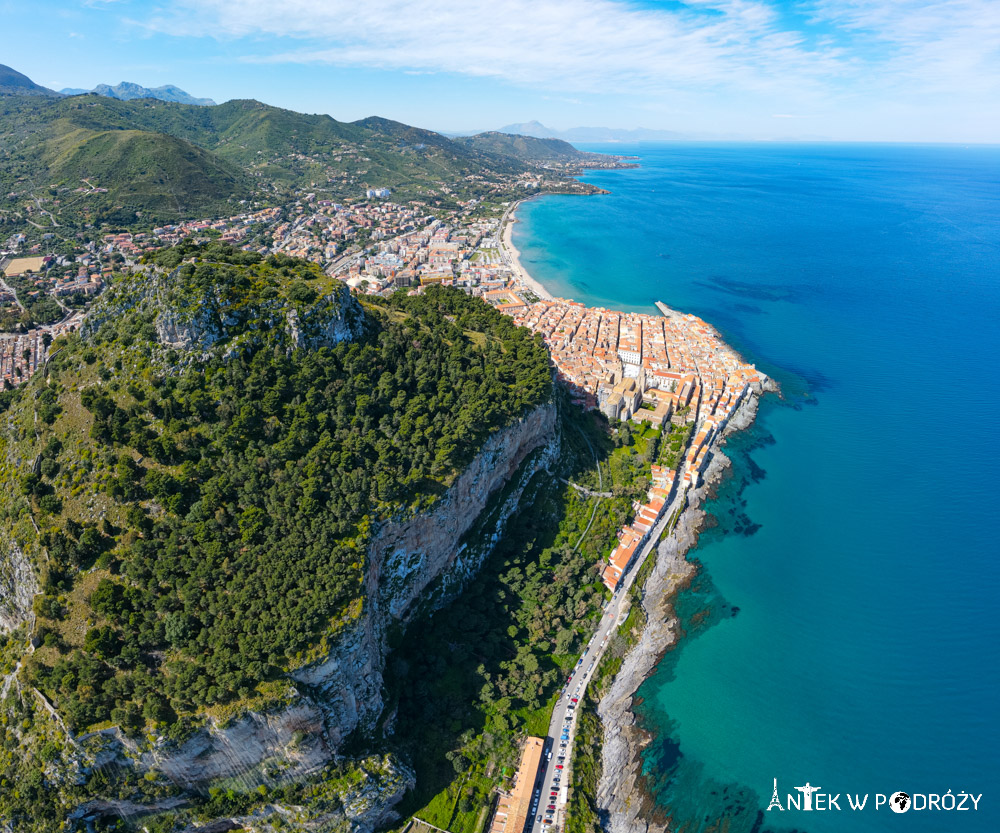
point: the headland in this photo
(673, 371)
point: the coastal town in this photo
(661, 370)
(664, 370)
(431, 418)
(670, 371)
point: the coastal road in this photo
(553, 775)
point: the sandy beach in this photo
(512, 257)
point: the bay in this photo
(843, 628)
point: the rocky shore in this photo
(625, 805)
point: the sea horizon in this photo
(858, 275)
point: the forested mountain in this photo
(205, 465)
(176, 160)
(13, 82)
(525, 148)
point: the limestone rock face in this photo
(195, 320)
(384, 782)
(196, 332)
(413, 563)
(407, 557)
(295, 736)
(18, 586)
(337, 318)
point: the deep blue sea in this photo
(844, 628)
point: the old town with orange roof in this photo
(657, 369)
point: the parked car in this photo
(575, 700)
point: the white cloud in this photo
(587, 45)
(874, 63)
(949, 46)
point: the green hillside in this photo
(56, 148)
(207, 476)
(146, 172)
(13, 82)
(176, 159)
(524, 148)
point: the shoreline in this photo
(623, 799)
(625, 803)
(512, 255)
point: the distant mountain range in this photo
(126, 91)
(592, 134)
(109, 158)
(13, 82)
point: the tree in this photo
(102, 642)
(301, 293)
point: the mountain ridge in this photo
(128, 90)
(46, 135)
(527, 148)
(13, 82)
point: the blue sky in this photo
(883, 70)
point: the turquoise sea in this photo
(844, 628)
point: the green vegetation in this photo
(238, 488)
(526, 148)
(143, 173)
(203, 512)
(160, 160)
(469, 681)
(674, 445)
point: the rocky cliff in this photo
(18, 586)
(408, 556)
(196, 319)
(413, 562)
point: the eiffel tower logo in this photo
(775, 801)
